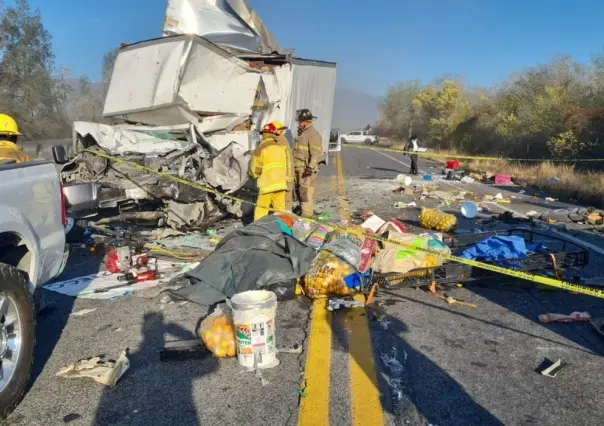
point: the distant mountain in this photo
(353, 109)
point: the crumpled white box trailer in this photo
(188, 79)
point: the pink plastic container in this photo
(503, 179)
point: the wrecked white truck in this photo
(185, 106)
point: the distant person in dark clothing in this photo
(413, 146)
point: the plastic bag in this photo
(217, 332)
(302, 230)
(437, 220)
(346, 250)
(396, 258)
(326, 276)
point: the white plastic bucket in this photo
(254, 317)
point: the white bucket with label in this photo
(254, 317)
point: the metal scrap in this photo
(100, 369)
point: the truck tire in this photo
(17, 337)
(343, 140)
(367, 141)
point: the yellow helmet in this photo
(280, 127)
(8, 126)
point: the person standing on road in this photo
(307, 153)
(282, 140)
(413, 146)
(268, 166)
(9, 135)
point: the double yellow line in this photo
(365, 405)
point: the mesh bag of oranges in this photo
(326, 276)
(217, 332)
(437, 220)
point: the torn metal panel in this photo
(229, 23)
(219, 141)
(117, 140)
(221, 122)
(216, 82)
(181, 215)
(164, 81)
(229, 170)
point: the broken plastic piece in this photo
(335, 304)
(574, 317)
(106, 372)
(553, 368)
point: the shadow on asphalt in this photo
(412, 387)
(51, 322)
(142, 397)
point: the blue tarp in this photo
(496, 248)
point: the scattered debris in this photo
(437, 220)
(336, 304)
(469, 210)
(99, 369)
(550, 199)
(82, 312)
(532, 213)
(555, 180)
(401, 205)
(467, 179)
(373, 223)
(71, 417)
(499, 196)
(502, 179)
(294, 349)
(451, 300)
(104, 285)
(183, 350)
(551, 369)
(573, 317)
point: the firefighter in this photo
(268, 166)
(9, 134)
(307, 153)
(282, 140)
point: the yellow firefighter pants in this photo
(289, 197)
(305, 190)
(275, 200)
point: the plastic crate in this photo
(564, 254)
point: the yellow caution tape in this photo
(486, 266)
(474, 157)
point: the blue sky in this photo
(376, 44)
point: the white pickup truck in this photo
(359, 136)
(32, 252)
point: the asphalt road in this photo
(436, 363)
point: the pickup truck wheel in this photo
(17, 337)
(367, 141)
(343, 140)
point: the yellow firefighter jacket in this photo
(282, 140)
(10, 151)
(269, 166)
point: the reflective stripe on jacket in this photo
(308, 149)
(269, 166)
(282, 140)
(10, 151)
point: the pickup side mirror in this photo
(334, 140)
(59, 154)
(334, 135)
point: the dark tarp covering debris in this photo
(248, 259)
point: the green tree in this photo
(399, 117)
(28, 90)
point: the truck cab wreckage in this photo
(191, 104)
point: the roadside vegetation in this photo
(550, 111)
(44, 99)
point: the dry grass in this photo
(583, 186)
